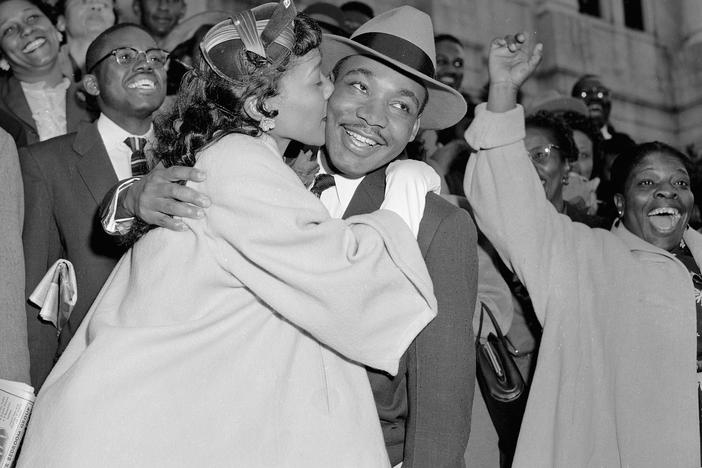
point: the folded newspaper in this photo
(56, 293)
(16, 402)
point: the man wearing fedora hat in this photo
(384, 92)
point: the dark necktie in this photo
(138, 161)
(321, 183)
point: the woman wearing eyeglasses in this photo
(616, 383)
(36, 100)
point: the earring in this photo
(565, 180)
(59, 36)
(620, 213)
(4, 65)
(266, 124)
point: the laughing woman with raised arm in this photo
(615, 383)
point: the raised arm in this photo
(509, 202)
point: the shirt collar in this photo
(345, 187)
(113, 135)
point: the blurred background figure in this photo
(38, 101)
(81, 21)
(580, 188)
(329, 17)
(446, 150)
(159, 17)
(450, 60)
(355, 14)
(183, 43)
(598, 99)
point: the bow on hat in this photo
(266, 31)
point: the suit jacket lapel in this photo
(94, 164)
(17, 103)
(369, 194)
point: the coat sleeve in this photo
(359, 286)
(441, 361)
(42, 247)
(510, 205)
(14, 351)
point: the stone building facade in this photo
(654, 68)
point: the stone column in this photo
(691, 21)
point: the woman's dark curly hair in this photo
(208, 107)
(625, 163)
(578, 121)
(561, 132)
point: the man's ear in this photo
(90, 84)
(415, 128)
(61, 23)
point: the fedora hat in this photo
(402, 38)
(553, 101)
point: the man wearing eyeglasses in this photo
(66, 177)
(597, 97)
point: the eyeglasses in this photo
(542, 153)
(594, 93)
(442, 62)
(128, 55)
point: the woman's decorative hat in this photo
(403, 38)
(266, 30)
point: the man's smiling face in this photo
(371, 115)
(134, 90)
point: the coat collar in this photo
(17, 103)
(76, 112)
(692, 238)
(94, 164)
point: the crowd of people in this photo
(285, 227)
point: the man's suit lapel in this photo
(94, 164)
(369, 194)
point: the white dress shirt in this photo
(337, 197)
(407, 184)
(120, 154)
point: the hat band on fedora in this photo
(398, 49)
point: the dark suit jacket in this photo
(16, 117)
(65, 179)
(425, 409)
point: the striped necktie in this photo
(138, 160)
(321, 183)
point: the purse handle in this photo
(485, 308)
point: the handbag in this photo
(501, 384)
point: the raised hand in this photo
(512, 60)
